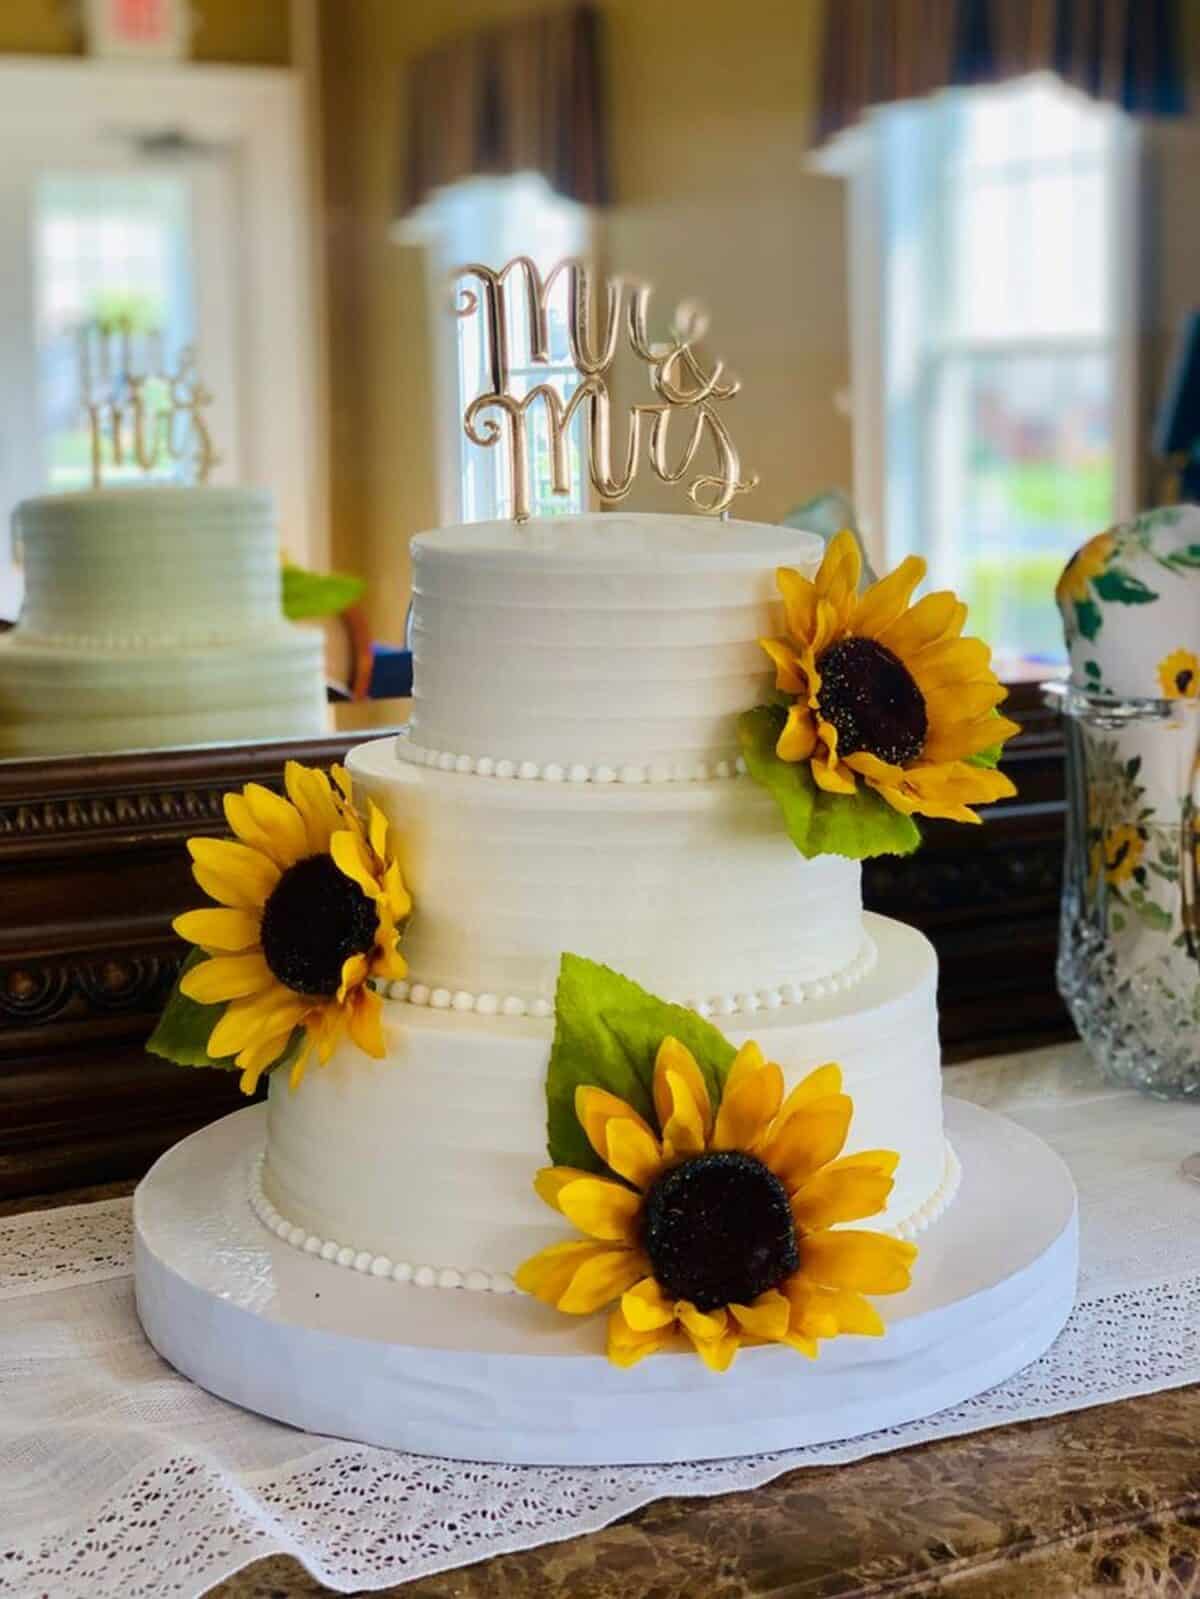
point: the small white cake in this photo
(153, 617)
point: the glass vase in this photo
(1129, 944)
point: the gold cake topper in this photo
(676, 373)
(140, 411)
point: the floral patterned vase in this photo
(1129, 948)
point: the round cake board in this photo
(502, 1378)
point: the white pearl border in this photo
(477, 1281)
(460, 999)
(567, 772)
(361, 1260)
(938, 1202)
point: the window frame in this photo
(855, 156)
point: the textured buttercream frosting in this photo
(611, 640)
(427, 1157)
(153, 617)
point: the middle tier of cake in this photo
(693, 889)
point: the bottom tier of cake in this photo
(420, 1166)
(58, 700)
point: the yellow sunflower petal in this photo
(702, 1324)
(767, 1318)
(244, 876)
(805, 1346)
(827, 772)
(548, 1274)
(551, 1180)
(325, 1027)
(789, 677)
(883, 603)
(248, 1021)
(716, 1353)
(353, 860)
(627, 1345)
(254, 1061)
(675, 1057)
(364, 1022)
(388, 961)
(837, 578)
(300, 1064)
(956, 742)
(811, 1314)
(646, 1308)
(963, 702)
(937, 616)
(866, 1262)
(851, 1312)
(355, 969)
(748, 1107)
(949, 661)
(281, 822)
(226, 977)
(602, 1279)
(808, 1140)
(880, 774)
(884, 1161)
(828, 1197)
(799, 603)
(309, 791)
(632, 1152)
(377, 829)
(748, 1060)
(399, 901)
(819, 1084)
(602, 1209)
(595, 1108)
(227, 930)
(241, 819)
(798, 738)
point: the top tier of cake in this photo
(128, 568)
(620, 643)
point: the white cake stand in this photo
(480, 1376)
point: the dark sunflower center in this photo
(1183, 680)
(869, 696)
(314, 919)
(718, 1230)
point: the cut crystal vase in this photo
(1129, 943)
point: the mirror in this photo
(952, 305)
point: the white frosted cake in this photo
(153, 617)
(571, 781)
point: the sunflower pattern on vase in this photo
(310, 907)
(721, 1228)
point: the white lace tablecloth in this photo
(117, 1477)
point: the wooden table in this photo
(1104, 1502)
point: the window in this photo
(490, 220)
(999, 317)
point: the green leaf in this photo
(858, 825)
(1132, 767)
(1188, 557)
(1091, 669)
(1153, 915)
(1122, 587)
(1088, 618)
(607, 1032)
(308, 595)
(1118, 922)
(183, 1028)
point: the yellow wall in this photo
(708, 116)
(245, 31)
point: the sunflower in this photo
(886, 691)
(310, 906)
(1087, 563)
(1121, 852)
(1179, 675)
(715, 1232)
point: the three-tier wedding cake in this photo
(581, 1047)
(571, 780)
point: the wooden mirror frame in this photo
(93, 868)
